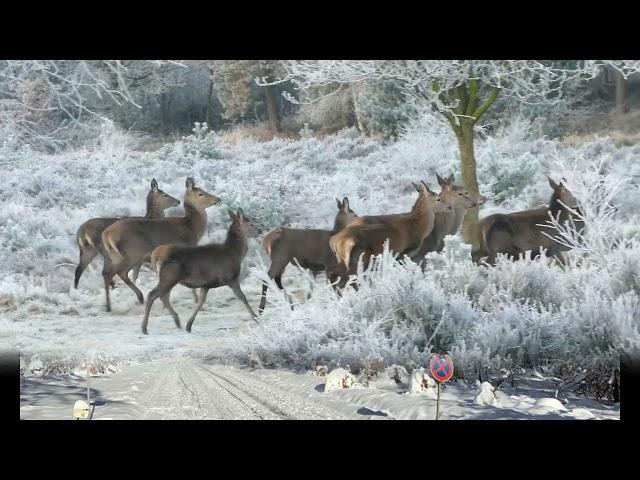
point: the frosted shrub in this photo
(115, 142)
(507, 177)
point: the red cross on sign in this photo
(441, 367)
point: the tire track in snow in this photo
(283, 404)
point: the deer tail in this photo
(111, 247)
(272, 236)
(157, 258)
(341, 245)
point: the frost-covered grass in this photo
(518, 314)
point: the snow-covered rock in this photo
(486, 395)
(421, 382)
(547, 405)
(398, 374)
(581, 413)
(339, 379)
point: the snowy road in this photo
(179, 389)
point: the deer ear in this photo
(450, 179)
(233, 216)
(240, 214)
(154, 185)
(441, 181)
(345, 203)
(417, 187)
(426, 187)
(553, 184)
(190, 183)
(339, 204)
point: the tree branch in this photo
(486, 104)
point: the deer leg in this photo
(195, 296)
(87, 254)
(275, 272)
(169, 278)
(107, 276)
(263, 300)
(122, 273)
(135, 273)
(153, 294)
(203, 297)
(278, 280)
(167, 304)
(235, 286)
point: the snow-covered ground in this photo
(186, 388)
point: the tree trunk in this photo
(164, 113)
(272, 109)
(621, 93)
(468, 166)
(209, 115)
(356, 110)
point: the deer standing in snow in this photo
(130, 241)
(204, 267)
(515, 233)
(309, 247)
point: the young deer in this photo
(89, 235)
(405, 231)
(130, 241)
(448, 223)
(515, 233)
(204, 267)
(310, 247)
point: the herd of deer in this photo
(170, 244)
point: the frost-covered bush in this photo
(383, 109)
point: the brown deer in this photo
(130, 241)
(448, 223)
(515, 233)
(89, 235)
(309, 247)
(405, 231)
(204, 267)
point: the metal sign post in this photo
(442, 370)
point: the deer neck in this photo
(454, 220)
(236, 241)
(197, 219)
(338, 225)
(423, 217)
(153, 211)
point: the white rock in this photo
(421, 382)
(339, 379)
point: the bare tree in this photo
(32, 92)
